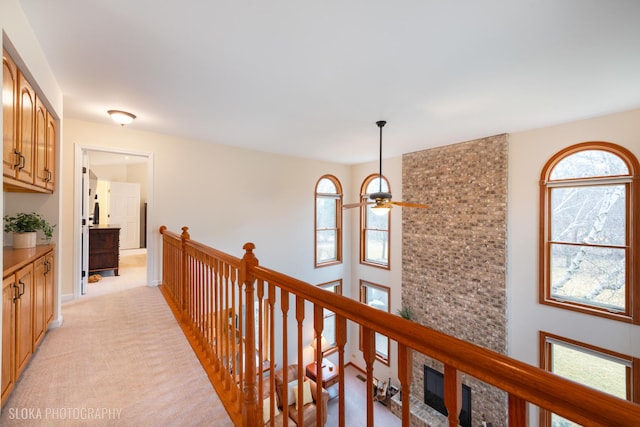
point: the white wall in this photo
(392, 278)
(528, 153)
(226, 196)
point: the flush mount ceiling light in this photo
(121, 117)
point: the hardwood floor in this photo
(355, 404)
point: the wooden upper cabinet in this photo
(26, 130)
(29, 134)
(9, 114)
(44, 145)
(51, 152)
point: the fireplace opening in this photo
(434, 395)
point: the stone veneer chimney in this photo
(454, 254)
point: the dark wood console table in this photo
(104, 248)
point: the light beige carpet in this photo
(119, 359)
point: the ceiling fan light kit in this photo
(381, 200)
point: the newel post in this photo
(185, 272)
(250, 414)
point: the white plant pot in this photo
(24, 240)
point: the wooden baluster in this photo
(405, 375)
(203, 302)
(189, 294)
(300, 320)
(216, 315)
(260, 297)
(184, 280)
(284, 305)
(225, 328)
(341, 340)
(233, 349)
(250, 414)
(198, 279)
(518, 414)
(452, 394)
(239, 340)
(318, 324)
(210, 307)
(271, 295)
(369, 354)
(300, 379)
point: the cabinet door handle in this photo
(22, 162)
(23, 288)
(16, 294)
(17, 163)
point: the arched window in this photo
(328, 221)
(374, 225)
(589, 232)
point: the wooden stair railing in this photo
(205, 286)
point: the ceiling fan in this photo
(382, 200)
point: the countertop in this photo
(14, 259)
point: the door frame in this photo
(153, 278)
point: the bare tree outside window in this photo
(587, 235)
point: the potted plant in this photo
(405, 312)
(25, 226)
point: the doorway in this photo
(128, 176)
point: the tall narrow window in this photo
(328, 221)
(374, 231)
(376, 296)
(589, 231)
(329, 332)
(603, 370)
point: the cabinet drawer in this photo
(103, 260)
(103, 239)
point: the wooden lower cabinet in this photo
(27, 310)
(9, 292)
(42, 296)
(24, 318)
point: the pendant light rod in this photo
(380, 124)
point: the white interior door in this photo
(84, 232)
(124, 210)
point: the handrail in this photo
(523, 383)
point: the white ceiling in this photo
(311, 78)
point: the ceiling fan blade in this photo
(409, 205)
(356, 205)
